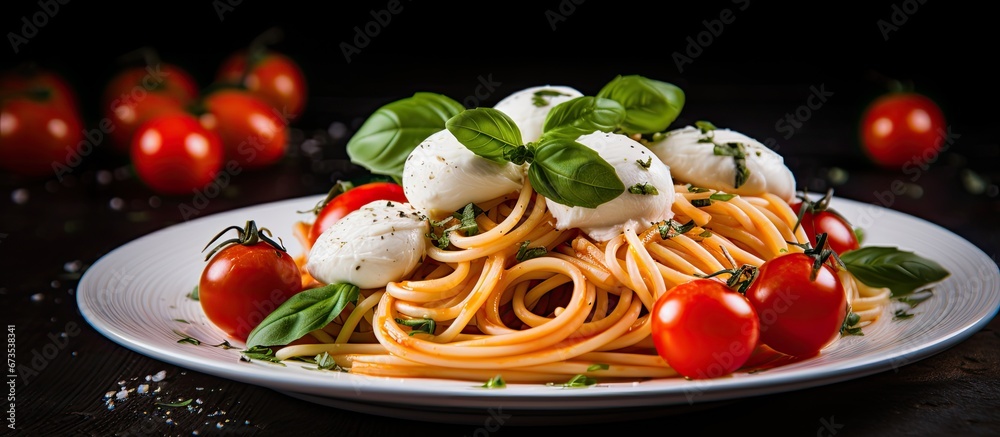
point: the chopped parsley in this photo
(643, 188)
(525, 253)
(538, 99)
(671, 228)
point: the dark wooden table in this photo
(52, 231)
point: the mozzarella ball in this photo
(628, 210)
(378, 243)
(694, 161)
(441, 176)
(529, 110)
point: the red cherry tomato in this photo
(252, 133)
(131, 85)
(901, 128)
(703, 329)
(175, 154)
(799, 316)
(351, 200)
(272, 76)
(32, 78)
(37, 135)
(245, 280)
(840, 234)
(128, 115)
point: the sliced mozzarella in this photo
(694, 161)
(376, 244)
(529, 111)
(628, 210)
(441, 176)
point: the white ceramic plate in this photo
(135, 294)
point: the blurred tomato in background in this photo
(132, 83)
(272, 76)
(174, 154)
(253, 133)
(40, 124)
(902, 128)
(138, 92)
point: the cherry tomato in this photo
(351, 200)
(36, 79)
(40, 129)
(274, 77)
(840, 233)
(703, 329)
(900, 128)
(128, 115)
(252, 133)
(175, 154)
(799, 316)
(246, 278)
(131, 85)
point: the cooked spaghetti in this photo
(581, 302)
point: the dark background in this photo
(759, 69)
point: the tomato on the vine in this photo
(344, 199)
(175, 154)
(252, 133)
(272, 76)
(818, 219)
(902, 127)
(704, 329)
(37, 132)
(246, 278)
(801, 308)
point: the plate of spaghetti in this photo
(529, 267)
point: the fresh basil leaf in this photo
(572, 174)
(304, 312)
(583, 115)
(387, 137)
(486, 132)
(900, 271)
(650, 105)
